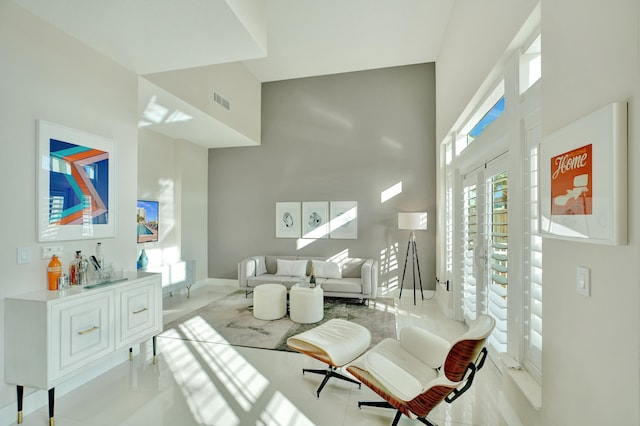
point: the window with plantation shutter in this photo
(533, 260)
(491, 241)
(485, 242)
(498, 256)
(448, 227)
(469, 234)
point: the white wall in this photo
(233, 81)
(340, 137)
(192, 174)
(477, 36)
(47, 75)
(175, 174)
(157, 182)
(591, 344)
(590, 58)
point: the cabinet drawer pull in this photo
(88, 330)
(140, 311)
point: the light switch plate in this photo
(23, 255)
(583, 281)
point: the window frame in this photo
(532, 356)
(491, 99)
(506, 134)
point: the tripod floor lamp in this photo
(412, 221)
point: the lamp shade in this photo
(412, 221)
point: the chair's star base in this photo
(329, 373)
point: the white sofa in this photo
(352, 277)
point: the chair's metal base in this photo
(396, 419)
(329, 373)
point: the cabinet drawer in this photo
(140, 312)
(85, 333)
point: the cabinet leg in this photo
(130, 354)
(51, 399)
(20, 391)
(155, 358)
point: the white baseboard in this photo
(175, 276)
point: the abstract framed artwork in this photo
(315, 219)
(344, 220)
(76, 184)
(583, 179)
(288, 220)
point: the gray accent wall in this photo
(343, 137)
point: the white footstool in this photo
(269, 301)
(337, 342)
(306, 304)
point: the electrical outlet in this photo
(48, 252)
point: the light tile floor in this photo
(217, 384)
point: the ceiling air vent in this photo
(218, 98)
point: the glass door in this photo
(485, 242)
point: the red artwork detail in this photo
(572, 182)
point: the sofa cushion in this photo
(286, 281)
(292, 268)
(262, 279)
(352, 268)
(342, 285)
(261, 266)
(272, 262)
(326, 269)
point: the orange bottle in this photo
(54, 271)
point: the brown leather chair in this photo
(419, 370)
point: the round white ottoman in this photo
(269, 301)
(306, 305)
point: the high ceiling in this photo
(275, 39)
(316, 37)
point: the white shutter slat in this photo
(533, 307)
(498, 227)
(469, 226)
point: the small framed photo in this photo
(288, 220)
(147, 216)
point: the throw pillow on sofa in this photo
(326, 269)
(261, 265)
(292, 268)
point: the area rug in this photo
(230, 320)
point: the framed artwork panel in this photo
(583, 179)
(315, 219)
(288, 220)
(344, 220)
(76, 184)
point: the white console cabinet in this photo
(53, 335)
